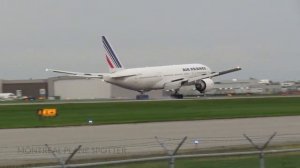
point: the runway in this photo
(20, 146)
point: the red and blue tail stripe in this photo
(109, 63)
(111, 57)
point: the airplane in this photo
(7, 96)
(170, 77)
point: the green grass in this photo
(17, 116)
(271, 161)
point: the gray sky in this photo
(261, 36)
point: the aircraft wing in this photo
(78, 74)
(213, 74)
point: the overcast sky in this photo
(261, 36)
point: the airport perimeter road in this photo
(19, 146)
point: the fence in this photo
(174, 148)
(174, 157)
(171, 154)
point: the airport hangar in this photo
(66, 87)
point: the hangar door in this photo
(82, 89)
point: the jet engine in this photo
(203, 85)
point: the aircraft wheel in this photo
(177, 96)
(142, 97)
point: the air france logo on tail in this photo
(111, 58)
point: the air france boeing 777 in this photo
(170, 77)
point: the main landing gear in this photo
(142, 96)
(176, 95)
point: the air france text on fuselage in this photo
(194, 69)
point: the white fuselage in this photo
(152, 78)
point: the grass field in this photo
(22, 116)
(271, 161)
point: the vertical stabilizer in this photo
(111, 58)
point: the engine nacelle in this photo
(203, 85)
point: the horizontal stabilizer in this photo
(122, 76)
(78, 74)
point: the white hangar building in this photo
(81, 88)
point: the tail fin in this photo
(113, 61)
